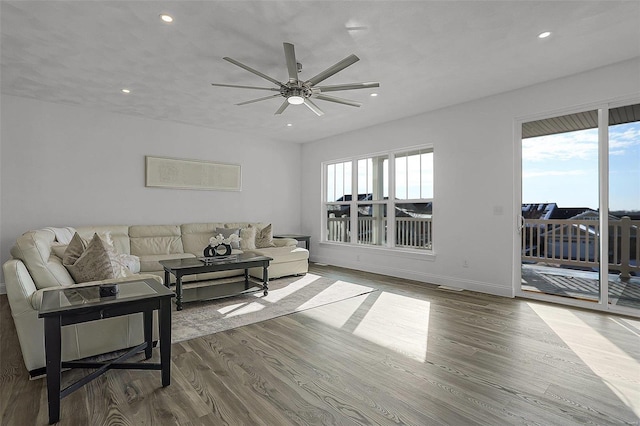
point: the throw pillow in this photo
(74, 250)
(129, 263)
(94, 264)
(226, 233)
(264, 237)
(248, 239)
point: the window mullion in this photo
(391, 205)
(353, 235)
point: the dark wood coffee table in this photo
(74, 305)
(191, 266)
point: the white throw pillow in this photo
(248, 238)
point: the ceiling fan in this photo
(296, 91)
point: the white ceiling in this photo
(425, 54)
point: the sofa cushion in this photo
(155, 239)
(92, 263)
(283, 254)
(195, 236)
(118, 234)
(149, 262)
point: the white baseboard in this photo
(465, 284)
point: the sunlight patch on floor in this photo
(619, 371)
(340, 312)
(330, 294)
(241, 310)
(276, 295)
(230, 308)
(399, 323)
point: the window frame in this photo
(390, 202)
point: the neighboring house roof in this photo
(552, 211)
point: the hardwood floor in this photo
(405, 354)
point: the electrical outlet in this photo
(465, 263)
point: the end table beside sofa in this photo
(78, 305)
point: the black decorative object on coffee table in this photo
(219, 250)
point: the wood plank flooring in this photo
(405, 354)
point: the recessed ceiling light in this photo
(544, 34)
(166, 18)
(126, 91)
(373, 94)
(289, 124)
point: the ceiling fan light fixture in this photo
(295, 100)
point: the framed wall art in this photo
(192, 174)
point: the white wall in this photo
(474, 175)
(68, 166)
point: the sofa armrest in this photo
(285, 242)
(20, 286)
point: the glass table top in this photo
(66, 299)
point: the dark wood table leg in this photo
(148, 333)
(265, 278)
(52, 344)
(165, 340)
(179, 292)
(246, 279)
(167, 279)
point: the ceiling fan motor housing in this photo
(291, 89)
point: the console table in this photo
(74, 305)
(191, 266)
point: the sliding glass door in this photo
(624, 206)
(573, 167)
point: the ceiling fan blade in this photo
(282, 107)
(245, 87)
(292, 64)
(313, 107)
(349, 60)
(259, 99)
(349, 86)
(256, 72)
(337, 100)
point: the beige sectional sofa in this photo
(36, 266)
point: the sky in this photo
(563, 168)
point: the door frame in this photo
(603, 203)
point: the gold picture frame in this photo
(177, 173)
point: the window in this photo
(371, 216)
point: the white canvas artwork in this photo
(192, 174)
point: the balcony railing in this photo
(576, 243)
(410, 232)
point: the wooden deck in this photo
(583, 285)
